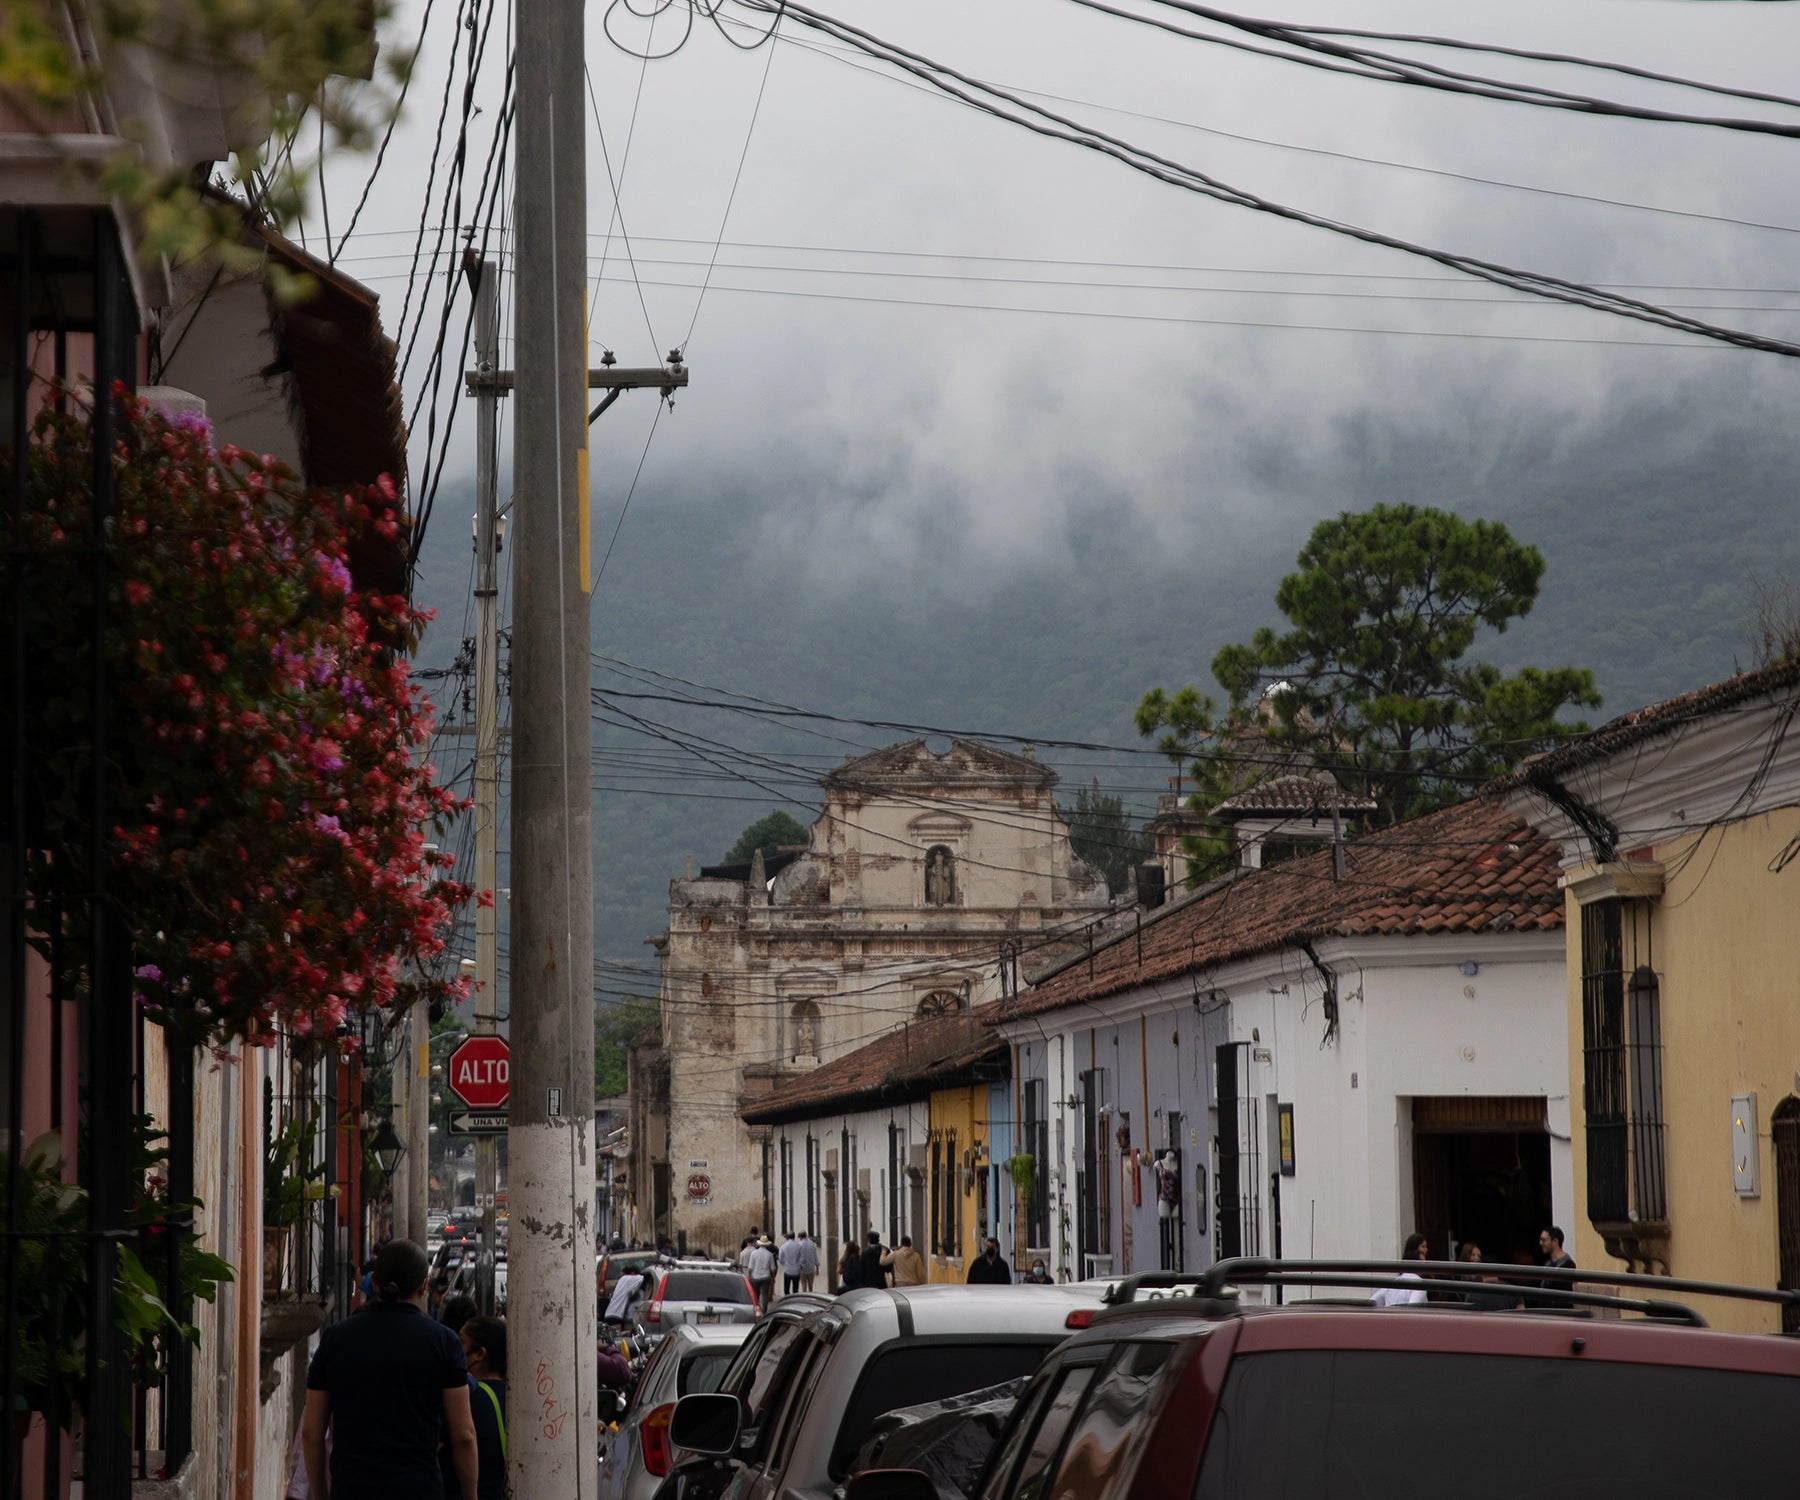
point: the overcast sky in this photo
(1161, 347)
(935, 348)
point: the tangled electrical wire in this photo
(709, 9)
(1305, 47)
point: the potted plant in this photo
(1022, 1170)
(290, 1180)
(50, 1332)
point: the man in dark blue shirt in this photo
(381, 1381)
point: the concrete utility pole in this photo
(550, 1307)
(486, 278)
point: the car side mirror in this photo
(706, 1422)
(890, 1484)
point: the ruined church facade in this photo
(932, 881)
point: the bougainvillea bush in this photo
(269, 803)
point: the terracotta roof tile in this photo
(1475, 867)
(908, 1063)
(1656, 719)
(1295, 793)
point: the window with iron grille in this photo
(1036, 1132)
(937, 1193)
(1621, 1039)
(896, 1164)
(787, 1183)
(812, 1187)
(1238, 1176)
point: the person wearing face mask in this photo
(484, 1346)
(989, 1269)
(1039, 1274)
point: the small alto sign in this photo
(480, 1072)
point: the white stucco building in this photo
(931, 881)
(1334, 1062)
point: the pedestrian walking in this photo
(383, 1381)
(791, 1259)
(849, 1271)
(484, 1348)
(458, 1308)
(1550, 1246)
(1039, 1274)
(809, 1261)
(989, 1269)
(872, 1272)
(761, 1271)
(906, 1264)
(1401, 1296)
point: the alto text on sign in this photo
(480, 1071)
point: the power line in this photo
(1044, 122)
(1313, 49)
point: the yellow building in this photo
(1680, 827)
(957, 1182)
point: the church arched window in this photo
(941, 1003)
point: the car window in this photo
(1120, 1409)
(1304, 1424)
(704, 1286)
(799, 1401)
(651, 1377)
(927, 1370)
(1031, 1478)
(780, 1357)
(704, 1371)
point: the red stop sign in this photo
(480, 1071)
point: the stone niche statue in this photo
(806, 1032)
(940, 876)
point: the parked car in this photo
(683, 1293)
(1607, 1387)
(639, 1456)
(467, 1274)
(608, 1268)
(758, 1379)
(868, 1353)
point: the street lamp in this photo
(387, 1146)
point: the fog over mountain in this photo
(772, 582)
(989, 433)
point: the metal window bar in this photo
(894, 1172)
(1037, 1144)
(847, 1188)
(787, 1183)
(1103, 1186)
(85, 290)
(1087, 1203)
(812, 1187)
(937, 1192)
(1644, 998)
(953, 1185)
(1784, 1138)
(1604, 1095)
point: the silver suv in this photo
(681, 1294)
(871, 1352)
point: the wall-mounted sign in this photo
(699, 1187)
(1744, 1160)
(1284, 1136)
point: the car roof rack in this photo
(1542, 1288)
